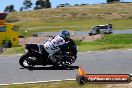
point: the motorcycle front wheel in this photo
(70, 61)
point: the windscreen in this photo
(103, 27)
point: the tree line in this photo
(27, 4)
(111, 1)
(39, 4)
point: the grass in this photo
(82, 24)
(120, 41)
(65, 84)
(108, 42)
(13, 50)
(75, 25)
(80, 18)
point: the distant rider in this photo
(57, 43)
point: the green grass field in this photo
(81, 18)
(120, 41)
(76, 25)
(108, 42)
(13, 50)
(65, 84)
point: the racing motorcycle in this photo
(37, 55)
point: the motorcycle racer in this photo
(58, 51)
(59, 42)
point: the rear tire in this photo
(24, 62)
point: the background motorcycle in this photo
(36, 55)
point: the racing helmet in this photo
(65, 34)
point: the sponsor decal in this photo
(83, 78)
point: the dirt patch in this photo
(87, 38)
(1, 50)
(28, 40)
(39, 40)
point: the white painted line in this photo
(70, 80)
(19, 54)
(4, 84)
(12, 55)
(90, 51)
(17, 84)
(78, 52)
(37, 82)
(42, 81)
(55, 80)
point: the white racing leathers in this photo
(53, 46)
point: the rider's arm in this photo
(63, 49)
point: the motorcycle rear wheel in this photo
(23, 61)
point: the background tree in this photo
(9, 8)
(47, 4)
(40, 4)
(26, 5)
(110, 1)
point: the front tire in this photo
(69, 62)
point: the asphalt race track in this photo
(102, 62)
(80, 33)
